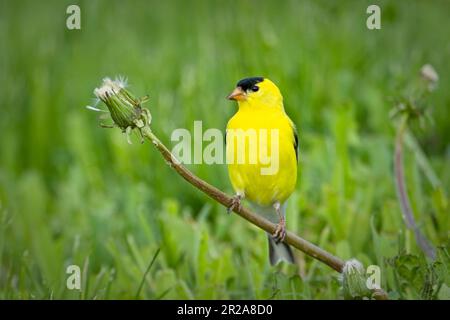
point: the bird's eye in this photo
(255, 88)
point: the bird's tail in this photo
(279, 251)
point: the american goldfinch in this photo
(259, 133)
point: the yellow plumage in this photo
(261, 128)
(263, 112)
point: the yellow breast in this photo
(261, 156)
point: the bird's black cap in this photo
(248, 83)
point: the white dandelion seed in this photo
(122, 81)
(96, 109)
(94, 106)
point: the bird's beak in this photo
(237, 94)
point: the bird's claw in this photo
(280, 232)
(235, 203)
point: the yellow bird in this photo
(261, 147)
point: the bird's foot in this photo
(280, 232)
(235, 203)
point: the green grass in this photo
(74, 193)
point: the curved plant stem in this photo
(402, 193)
(224, 199)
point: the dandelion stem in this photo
(402, 193)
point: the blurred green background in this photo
(74, 193)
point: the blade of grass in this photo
(141, 285)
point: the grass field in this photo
(72, 193)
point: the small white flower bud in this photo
(430, 75)
(354, 280)
(124, 108)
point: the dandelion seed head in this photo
(352, 266)
(109, 88)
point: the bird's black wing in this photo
(296, 143)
